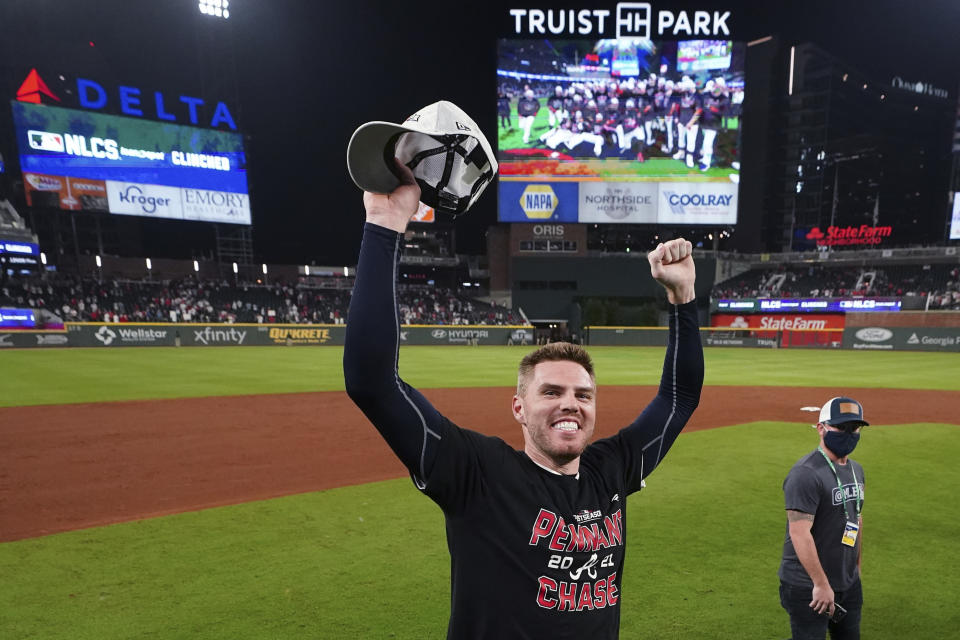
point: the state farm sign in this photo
(778, 322)
(846, 236)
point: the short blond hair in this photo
(553, 352)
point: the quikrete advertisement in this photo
(298, 335)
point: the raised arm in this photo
(405, 419)
(652, 434)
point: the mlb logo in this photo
(633, 20)
(45, 141)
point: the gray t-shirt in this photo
(811, 487)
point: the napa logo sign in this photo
(538, 201)
(125, 100)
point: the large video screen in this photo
(83, 160)
(620, 131)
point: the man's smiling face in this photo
(557, 411)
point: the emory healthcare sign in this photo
(631, 19)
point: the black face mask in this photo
(842, 443)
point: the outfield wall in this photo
(873, 337)
(98, 335)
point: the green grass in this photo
(60, 376)
(371, 561)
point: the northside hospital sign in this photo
(631, 19)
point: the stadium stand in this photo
(938, 282)
(195, 300)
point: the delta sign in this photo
(126, 100)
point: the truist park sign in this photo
(626, 20)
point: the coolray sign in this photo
(923, 88)
(630, 202)
(713, 203)
(149, 200)
(126, 99)
(846, 236)
(629, 20)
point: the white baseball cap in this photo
(449, 156)
(842, 411)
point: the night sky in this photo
(309, 72)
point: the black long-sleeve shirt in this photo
(534, 554)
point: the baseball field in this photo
(234, 492)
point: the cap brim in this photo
(842, 423)
(370, 156)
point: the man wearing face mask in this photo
(820, 570)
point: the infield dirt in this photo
(74, 466)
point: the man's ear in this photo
(517, 406)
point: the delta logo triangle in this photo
(33, 87)
(913, 339)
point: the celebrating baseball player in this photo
(537, 536)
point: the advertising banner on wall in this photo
(538, 202)
(778, 322)
(32, 339)
(901, 339)
(710, 203)
(627, 202)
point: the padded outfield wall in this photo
(100, 335)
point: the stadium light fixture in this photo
(790, 86)
(149, 264)
(196, 265)
(99, 262)
(214, 8)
